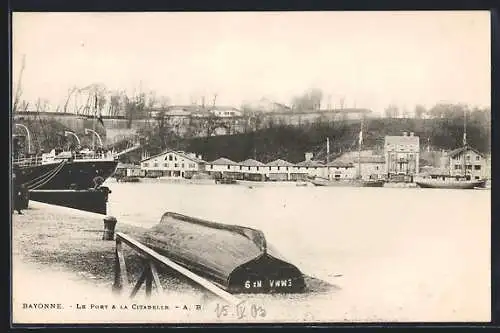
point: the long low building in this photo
(179, 164)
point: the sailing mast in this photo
(359, 148)
(464, 142)
(327, 150)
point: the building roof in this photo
(279, 162)
(223, 161)
(371, 159)
(251, 162)
(429, 170)
(457, 151)
(127, 166)
(401, 139)
(340, 164)
(222, 108)
(309, 163)
(180, 153)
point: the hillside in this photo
(291, 143)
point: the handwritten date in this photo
(240, 311)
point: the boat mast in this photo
(360, 141)
(327, 150)
(464, 141)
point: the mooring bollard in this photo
(109, 228)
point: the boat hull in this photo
(73, 174)
(348, 183)
(462, 185)
(236, 258)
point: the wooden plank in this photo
(123, 277)
(187, 273)
(156, 278)
(139, 283)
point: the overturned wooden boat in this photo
(237, 259)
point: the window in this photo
(278, 168)
(211, 166)
(228, 167)
(176, 165)
(477, 167)
(165, 165)
(458, 167)
(249, 168)
(468, 157)
(269, 168)
(183, 165)
(478, 158)
(286, 168)
(145, 165)
(477, 177)
(257, 168)
(469, 167)
(241, 167)
(170, 157)
(376, 167)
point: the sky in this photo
(371, 59)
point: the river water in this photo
(391, 254)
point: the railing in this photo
(150, 274)
(28, 161)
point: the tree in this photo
(310, 100)
(420, 111)
(392, 111)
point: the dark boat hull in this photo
(73, 174)
(237, 259)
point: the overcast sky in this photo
(373, 59)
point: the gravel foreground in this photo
(58, 256)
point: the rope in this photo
(43, 182)
(43, 176)
(49, 177)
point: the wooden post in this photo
(121, 278)
(109, 228)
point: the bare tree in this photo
(19, 88)
(71, 91)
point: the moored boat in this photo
(65, 170)
(318, 181)
(449, 182)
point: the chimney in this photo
(199, 157)
(308, 156)
(411, 133)
(405, 133)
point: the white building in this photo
(172, 163)
(341, 170)
(402, 154)
(223, 167)
(252, 169)
(312, 168)
(469, 162)
(225, 112)
(279, 170)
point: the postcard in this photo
(251, 167)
